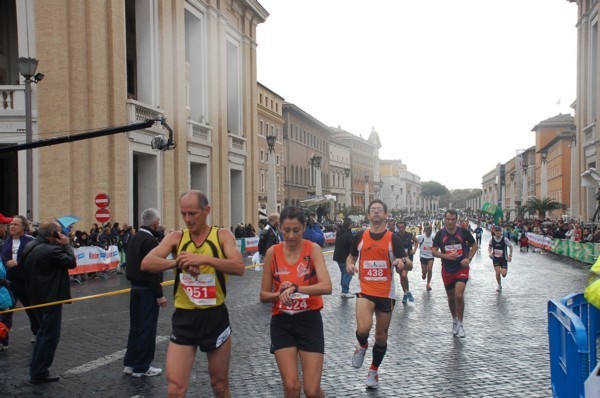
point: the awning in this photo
(317, 200)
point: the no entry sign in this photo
(102, 200)
(102, 215)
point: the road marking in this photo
(105, 360)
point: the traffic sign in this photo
(102, 200)
(102, 215)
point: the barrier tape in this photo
(93, 296)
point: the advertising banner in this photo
(95, 259)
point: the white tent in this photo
(317, 200)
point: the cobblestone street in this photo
(505, 353)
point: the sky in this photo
(452, 87)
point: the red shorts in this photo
(450, 279)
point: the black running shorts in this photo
(207, 328)
(303, 330)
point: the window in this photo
(262, 155)
(261, 131)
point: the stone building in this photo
(115, 62)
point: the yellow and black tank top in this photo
(208, 289)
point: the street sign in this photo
(102, 200)
(102, 215)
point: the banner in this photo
(247, 244)
(329, 238)
(95, 259)
(541, 241)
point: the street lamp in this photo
(348, 199)
(366, 193)
(27, 68)
(315, 161)
(271, 188)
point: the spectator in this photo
(240, 231)
(343, 244)
(313, 232)
(269, 236)
(250, 231)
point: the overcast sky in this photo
(452, 87)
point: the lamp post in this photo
(315, 161)
(271, 188)
(366, 193)
(381, 190)
(27, 69)
(347, 195)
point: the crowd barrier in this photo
(95, 259)
(583, 251)
(250, 245)
(569, 355)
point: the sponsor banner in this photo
(540, 241)
(95, 259)
(247, 244)
(329, 238)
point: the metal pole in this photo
(28, 153)
(271, 184)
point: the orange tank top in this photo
(301, 273)
(375, 272)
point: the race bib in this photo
(375, 270)
(299, 304)
(454, 249)
(201, 290)
(498, 253)
(426, 248)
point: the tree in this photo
(433, 188)
(541, 206)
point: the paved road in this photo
(505, 353)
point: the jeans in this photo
(346, 277)
(48, 336)
(143, 318)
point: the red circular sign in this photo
(103, 215)
(102, 200)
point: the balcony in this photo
(12, 109)
(237, 144)
(140, 112)
(199, 133)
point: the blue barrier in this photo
(569, 355)
(590, 318)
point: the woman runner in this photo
(294, 278)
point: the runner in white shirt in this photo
(425, 255)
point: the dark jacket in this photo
(343, 242)
(17, 273)
(268, 238)
(138, 246)
(46, 271)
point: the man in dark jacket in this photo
(269, 235)
(343, 243)
(11, 253)
(145, 298)
(47, 260)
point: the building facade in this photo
(192, 62)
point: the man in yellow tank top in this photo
(205, 257)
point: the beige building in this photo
(306, 150)
(339, 176)
(402, 189)
(115, 62)
(587, 106)
(270, 123)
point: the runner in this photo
(498, 251)
(425, 255)
(296, 324)
(478, 231)
(456, 247)
(409, 244)
(205, 257)
(373, 256)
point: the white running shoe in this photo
(128, 370)
(359, 356)
(347, 295)
(455, 327)
(152, 371)
(461, 332)
(372, 379)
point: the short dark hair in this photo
(292, 212)
(452, 212)
(377, 201)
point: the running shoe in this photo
(455, 327)
(428, 287)
(128, 370)
(359, 356)
(410, 297)
(347, 295)
(33, 339)
(499, 288)
(405, 299)
(152, 371)
(460, 331)
(372, 379)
